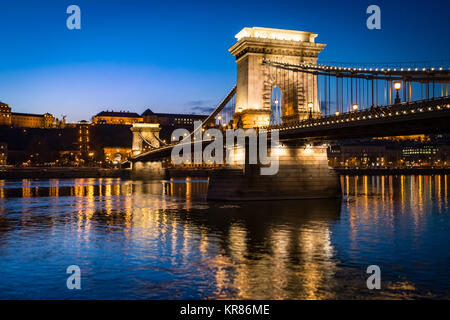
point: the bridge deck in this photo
(420, 117)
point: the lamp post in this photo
(276, 112)
(310, 106)
(355, 107)
(219, 117)
(397, 87)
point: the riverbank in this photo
(382, 172)
(62, 173)
(75, 172)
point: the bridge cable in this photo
(146, 141)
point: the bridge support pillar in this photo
(303, 174)
(149, 170)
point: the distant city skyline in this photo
(173, 56)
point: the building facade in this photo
(29, 120)
(362, 156)
(3, 154)
(167, 121)
(5, 114)
(24, 120)
(172, 119)
(113, 117)
(129, 118)
(116, 155)
(83, 130)
(391, 154)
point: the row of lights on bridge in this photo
(219, 117)
(324, 67)
(363, 118)
(318, 66)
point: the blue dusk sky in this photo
(172, 56)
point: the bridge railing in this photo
(399, 109)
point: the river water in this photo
(163, 240)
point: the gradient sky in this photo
(171, 56)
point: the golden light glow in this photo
(145, 125)
(279, 151)
(276, 34)
(355, 107)
(308, 149)
(397, 85)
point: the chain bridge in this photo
(282, 88)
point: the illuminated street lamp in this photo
(355, 107)
(310, 106)
(277, 111)
(397, 87)
(336, 113)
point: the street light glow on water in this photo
(163, 240)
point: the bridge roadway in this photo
(419, 117)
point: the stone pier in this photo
(303, 174)
(148, 170)
(146, 137)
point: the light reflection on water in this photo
(163, 240)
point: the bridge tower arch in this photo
(276, 106)
(255, 80)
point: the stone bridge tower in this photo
(145, 136)
(256, 80)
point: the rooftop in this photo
(27, 114)
(118, 114)
(149, 112)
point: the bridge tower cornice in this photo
(276, 47)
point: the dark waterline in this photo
(163, 240)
